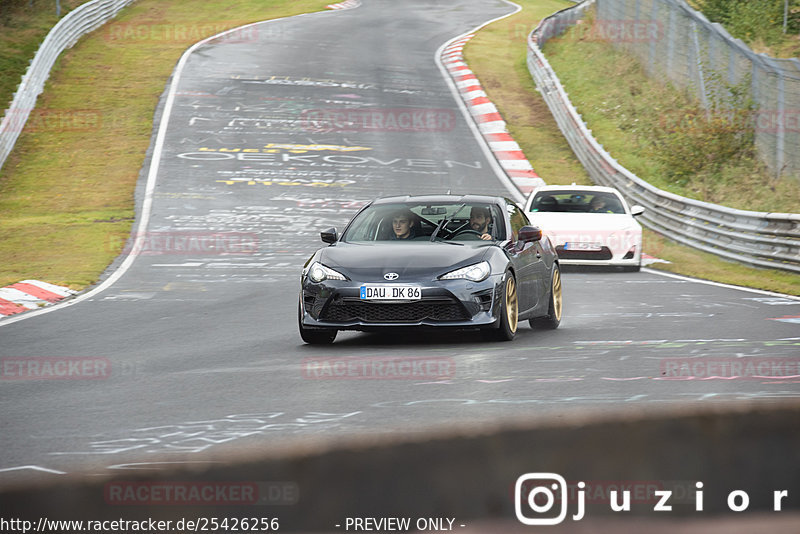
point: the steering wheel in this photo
(468, 231)
(450, 234)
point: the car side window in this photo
(498, 228)
(518, 219)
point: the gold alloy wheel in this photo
(557, 294)
(511, 304)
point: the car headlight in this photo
(476, 272)
(318, 272)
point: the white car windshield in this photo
(577, 202)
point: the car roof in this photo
(467, 199)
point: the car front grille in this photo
(405, 312)
(599, 255)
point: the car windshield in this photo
(429, 221)
(576, 202)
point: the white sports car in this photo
(589, 225)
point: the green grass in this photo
(690, 262)
(628, 112)
(497, 55)
(66, 191)
(22, 30)
(607, 88)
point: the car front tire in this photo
(509, 311)
(316, 336)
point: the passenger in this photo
(479, 220)
(404, 225)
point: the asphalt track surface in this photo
(203, 347)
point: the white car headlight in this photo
(475, 273)
(318, 272)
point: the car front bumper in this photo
(444, 304)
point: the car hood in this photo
(369, 262)
(557, 223)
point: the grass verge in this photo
(23, 27)
(66, 192)
(497, 55)
(660, 133)
(601, 78)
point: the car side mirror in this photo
(637, 210)
(529, 233)
(329, 235)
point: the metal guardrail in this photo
(755, 238)
(64, 34)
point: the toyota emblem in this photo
(391, 276)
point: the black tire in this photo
(509, 311)
(315, 336)
(556, 306)
(632, 268)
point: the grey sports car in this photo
(444, 261)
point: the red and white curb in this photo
(347, 4)
(30, 295)
(490, 123)
(492, 126)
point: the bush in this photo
(10, 10)
(753, 20)
(757, 21)
(691, 141)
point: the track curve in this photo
(257, 157)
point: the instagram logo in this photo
(535, 497)
(537, 494)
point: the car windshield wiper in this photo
(445, 221)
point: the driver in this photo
(403, 224)
(599, 205)
(479, 220)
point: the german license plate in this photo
(577, 245)
(385, 292)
